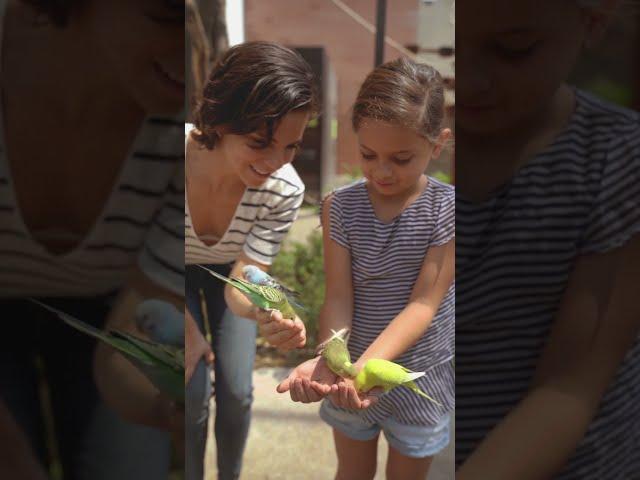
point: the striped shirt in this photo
(386, 259)
(514, 255)
(141, 224)
(261, 221)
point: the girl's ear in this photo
(444, 136)
(598, 19)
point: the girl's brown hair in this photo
(252, 87)
(402, 92)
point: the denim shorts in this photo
(416, 441)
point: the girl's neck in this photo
(388, 207)
(487, 161)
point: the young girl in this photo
(389, 260)
(242, 196)
(548, 217)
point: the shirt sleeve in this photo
(615, 215)
(445, 228)
(267, 233)
(162, 258)
(337, 232)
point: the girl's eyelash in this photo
(401, 162)
(367, 156)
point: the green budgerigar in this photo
(336, 354)
(162, 364)
(262, 296)
(388, 375)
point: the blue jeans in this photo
(415, 441)
(234, 346)
(93, 443)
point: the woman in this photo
(242, 195)
(91, 171)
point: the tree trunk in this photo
(206, 33)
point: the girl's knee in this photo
(354, 472)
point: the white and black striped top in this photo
(261, 221)
(386, 259)
(141, 223)
(514, 255)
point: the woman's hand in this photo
(346, 396)
(282, 333)
(196, 347)
(309, 382)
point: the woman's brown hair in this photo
(402, 92)
(252, 87)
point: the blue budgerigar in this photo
(262, 296)
(258, 276)
(161, 322)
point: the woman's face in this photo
(511, 58)
(394, 158)
(252, 159)
(142, 42)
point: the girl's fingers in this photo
(312, 395)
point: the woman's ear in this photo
(598, 19)
(440, 143)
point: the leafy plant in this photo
(300, 266)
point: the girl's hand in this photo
(196, 347)
(284, 334)
(346, 396)
(309, 382)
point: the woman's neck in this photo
(210, 168)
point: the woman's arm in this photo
(598, 321)
(434, 280)
(122, 386)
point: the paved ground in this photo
(288, 441)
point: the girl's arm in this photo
(337, 308)
(598, 321)
(282, 333)
(434, 280)
(312, 380)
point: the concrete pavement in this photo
(288, 441)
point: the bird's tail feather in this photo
(415, 389)
(231, 281)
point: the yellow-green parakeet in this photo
(336, 354)
(388, 375)
(261, 296)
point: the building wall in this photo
(349, 46)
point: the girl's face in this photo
(511, 58)
(253, 160)
(393, 158)
(141, 46)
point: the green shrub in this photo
(299, 266)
